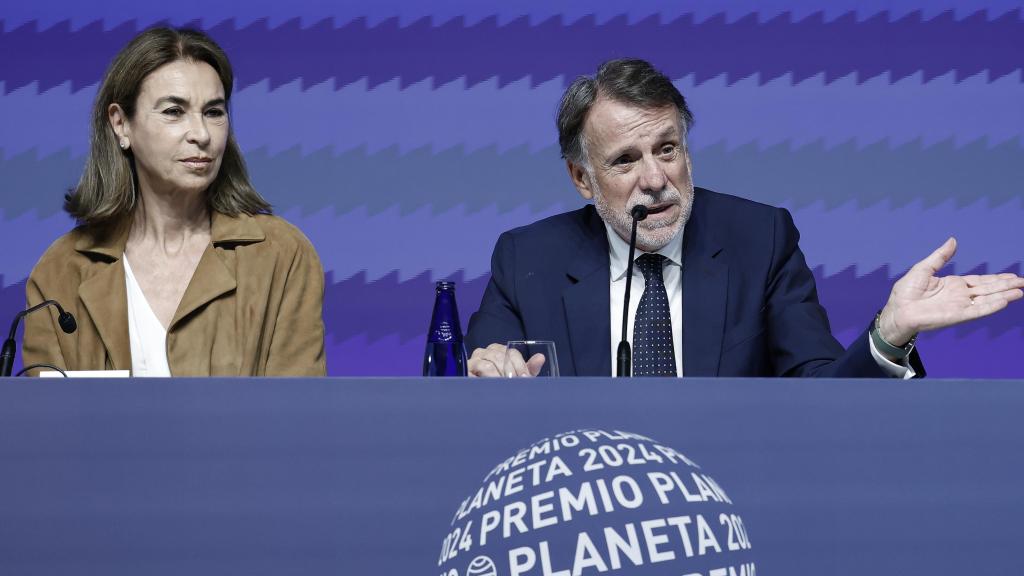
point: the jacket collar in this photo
(106, 241)
(109, 241)
(235, 229)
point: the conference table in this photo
(491, 477)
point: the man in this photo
(720, 286)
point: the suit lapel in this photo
(586, 303)
(705, 292)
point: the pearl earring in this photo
(124, 143)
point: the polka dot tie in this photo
(653, 354)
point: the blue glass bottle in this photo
(445, 354)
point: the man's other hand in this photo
(922, 301)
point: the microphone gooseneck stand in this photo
(34, 366)
(10, 347)
(624, 355)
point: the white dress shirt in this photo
(618, 257)
(146, 334)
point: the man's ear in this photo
(580, 179)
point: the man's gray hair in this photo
(627, 80)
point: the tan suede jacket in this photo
(254, 306)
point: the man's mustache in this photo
(666, 195)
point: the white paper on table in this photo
(86, 374)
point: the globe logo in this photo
(597, 502)
(482, 566)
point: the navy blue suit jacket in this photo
(750, 306)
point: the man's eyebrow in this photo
(668, 132)
(623, 149)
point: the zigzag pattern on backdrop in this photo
(847, 235)
(32, 235)
(397, 127)
(307, 12)
(358, 117)
(780, 174)
(356, 50)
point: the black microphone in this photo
(65, 319)
(625, 352)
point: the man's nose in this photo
(652, 175)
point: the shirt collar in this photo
(618, 252)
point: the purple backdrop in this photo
(884, 126)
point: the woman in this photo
(176, 266)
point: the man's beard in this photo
(650, 236)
